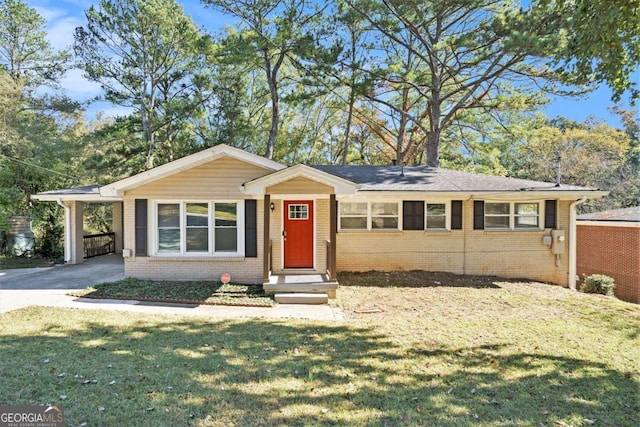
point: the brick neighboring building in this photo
(609, 243)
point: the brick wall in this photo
(242, 270)
(612, 250)
(515, 254)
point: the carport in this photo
(73, 201)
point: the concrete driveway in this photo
(108, 268)
(49, 287)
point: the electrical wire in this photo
(76, 179)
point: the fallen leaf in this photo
(100, 408)
(588, 421)
(47, 360)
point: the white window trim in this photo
(153, 236)
(370, 217)
(512, 216)
(447, 215)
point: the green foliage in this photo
(25, 52)
(598, 284)
(149, 56)
(600, 42)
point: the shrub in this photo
(598, 284)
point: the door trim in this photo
(313, 203)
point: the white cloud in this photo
(60, 32)
(76, 86)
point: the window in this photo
(505, 215)
(299, 211)
(197, 227)
(369, 216)
(384, 216)
(168, 227)
(185, 228)
(526, 215)
(226, 230)
(436, 216)
(353, 216)
(496, 215)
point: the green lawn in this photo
(464, 353)
(197, 292)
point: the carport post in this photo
(76, 232)
(118, 225)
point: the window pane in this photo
(496, 222)
(527, 222)
(436, 222)
(197, 215)
(197, 239)
(496, 208)
(226, 215)
(299, 211)
(384, 209)
(169, 240)
(435, 209)
(384, 222)
(226, 239)
(353, 209)
(168, 215)
(353, 223)
(526, 209)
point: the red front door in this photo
(298, 234)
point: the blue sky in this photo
(63, 16)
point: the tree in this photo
(274, 32)
(148, 55)
(25, 52)
(467, 54)
(600, 43)
(592, 154)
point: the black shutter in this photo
(478, 215)
(550, 213)
(413, 215)
(250, 229)
(456, 214)
(141, 227)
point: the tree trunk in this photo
(347, 131)
(273, 132)
(433, 148)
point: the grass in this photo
(10, 262)
(413, 350)
(203, 292)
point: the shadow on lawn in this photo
(190, 372)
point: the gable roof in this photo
(626, 214)
(341, 185)
(422, 178)
(117, 188)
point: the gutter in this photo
(572, 242)
(67, 231)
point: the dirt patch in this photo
(417, 278)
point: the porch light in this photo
(272, 206)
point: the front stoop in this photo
(301, 298)
(301, 288)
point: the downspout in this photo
(67, 231)
(572, 242)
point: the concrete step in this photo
(300, 287)
(301, 298)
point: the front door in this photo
(298, 234)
